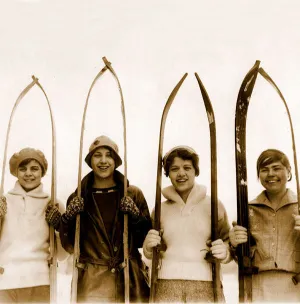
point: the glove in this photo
(237, 235)
(75, 206)
(152, 240)
(53, 215)
(128, 206)
(219, 249)
(3, 206)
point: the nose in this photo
(181, 172)
(271, 172)
(103, 159)
(28, 172)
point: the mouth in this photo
(272, 182)
(103, 168)
(180, 181)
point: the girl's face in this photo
(103, 163)
(182, 175)
(274, 177)
(30, 175)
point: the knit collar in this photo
(36, 192)
(289, 198)
(197, 193)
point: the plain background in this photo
(151, 44)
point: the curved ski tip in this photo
(184, 76)
(34, 78)
(106, 61)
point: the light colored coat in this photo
(186, 229)
(24, 242)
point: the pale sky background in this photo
(150, 45)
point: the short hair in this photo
(183, 154)
(27, 161)
(270, 156)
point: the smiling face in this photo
(274, 177)
(30, 175)
(182, 175)
(103, 163)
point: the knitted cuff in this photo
(147, 253)
(127, 205)
(228, 257)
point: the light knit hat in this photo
(104, 141)
(187, 148)
(27, 153)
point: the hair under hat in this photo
(104, 141)
(27, 153)
(184, 152)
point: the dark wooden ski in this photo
(214, 190)
(156, 251)
(244, 260)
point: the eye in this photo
(22, 169)
(173, 169)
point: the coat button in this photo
(115, 248)
(113, 270)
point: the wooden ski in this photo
(156, 251)
(244, 259)
(217, 286)
(53, 256)
(295, 278)
(77, 231)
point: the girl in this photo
(274, 225)
(185, 275)
(101, 208)
(24, 243)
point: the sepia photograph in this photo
(148, 151)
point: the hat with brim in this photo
(104, 141)
(27, 153)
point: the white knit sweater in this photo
(24, 242)
(186, 228)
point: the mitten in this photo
(3, 206)
(53, 216)
(75, 206)
(128, 206)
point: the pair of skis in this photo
(125, 231)
(53, 256)
(246, 269)
(214, 194)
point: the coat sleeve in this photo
(67, 231)
(141, 225)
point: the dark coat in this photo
(100, 268)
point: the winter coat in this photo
(186, 229)
(24, 242)
(277, 243)
(101, 259)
